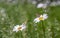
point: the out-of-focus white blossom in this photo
(41, 5)
(42, 17)
(49, 29)
(34, 2)
(3, 12)
(2, 18)
(19, 27)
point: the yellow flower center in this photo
(41, 18)
(19, 28)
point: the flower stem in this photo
(43, 29)
(52, 30)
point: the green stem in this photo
(43, 29)
(52, 30)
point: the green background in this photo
(18, 13)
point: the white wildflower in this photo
(19, 27)
(42, 17)
(41, 5)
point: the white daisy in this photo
(41, 5)
(19, 27)
(42, 17)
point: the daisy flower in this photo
(42, 17)
(41, 5)
(19, 27)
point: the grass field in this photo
(11, 15)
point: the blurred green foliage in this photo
(17, 14)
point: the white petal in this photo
(40, 5)
(16, 28)
(36, 20)
(23, 27)
(45, 16)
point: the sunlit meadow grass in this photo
(12, 15)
